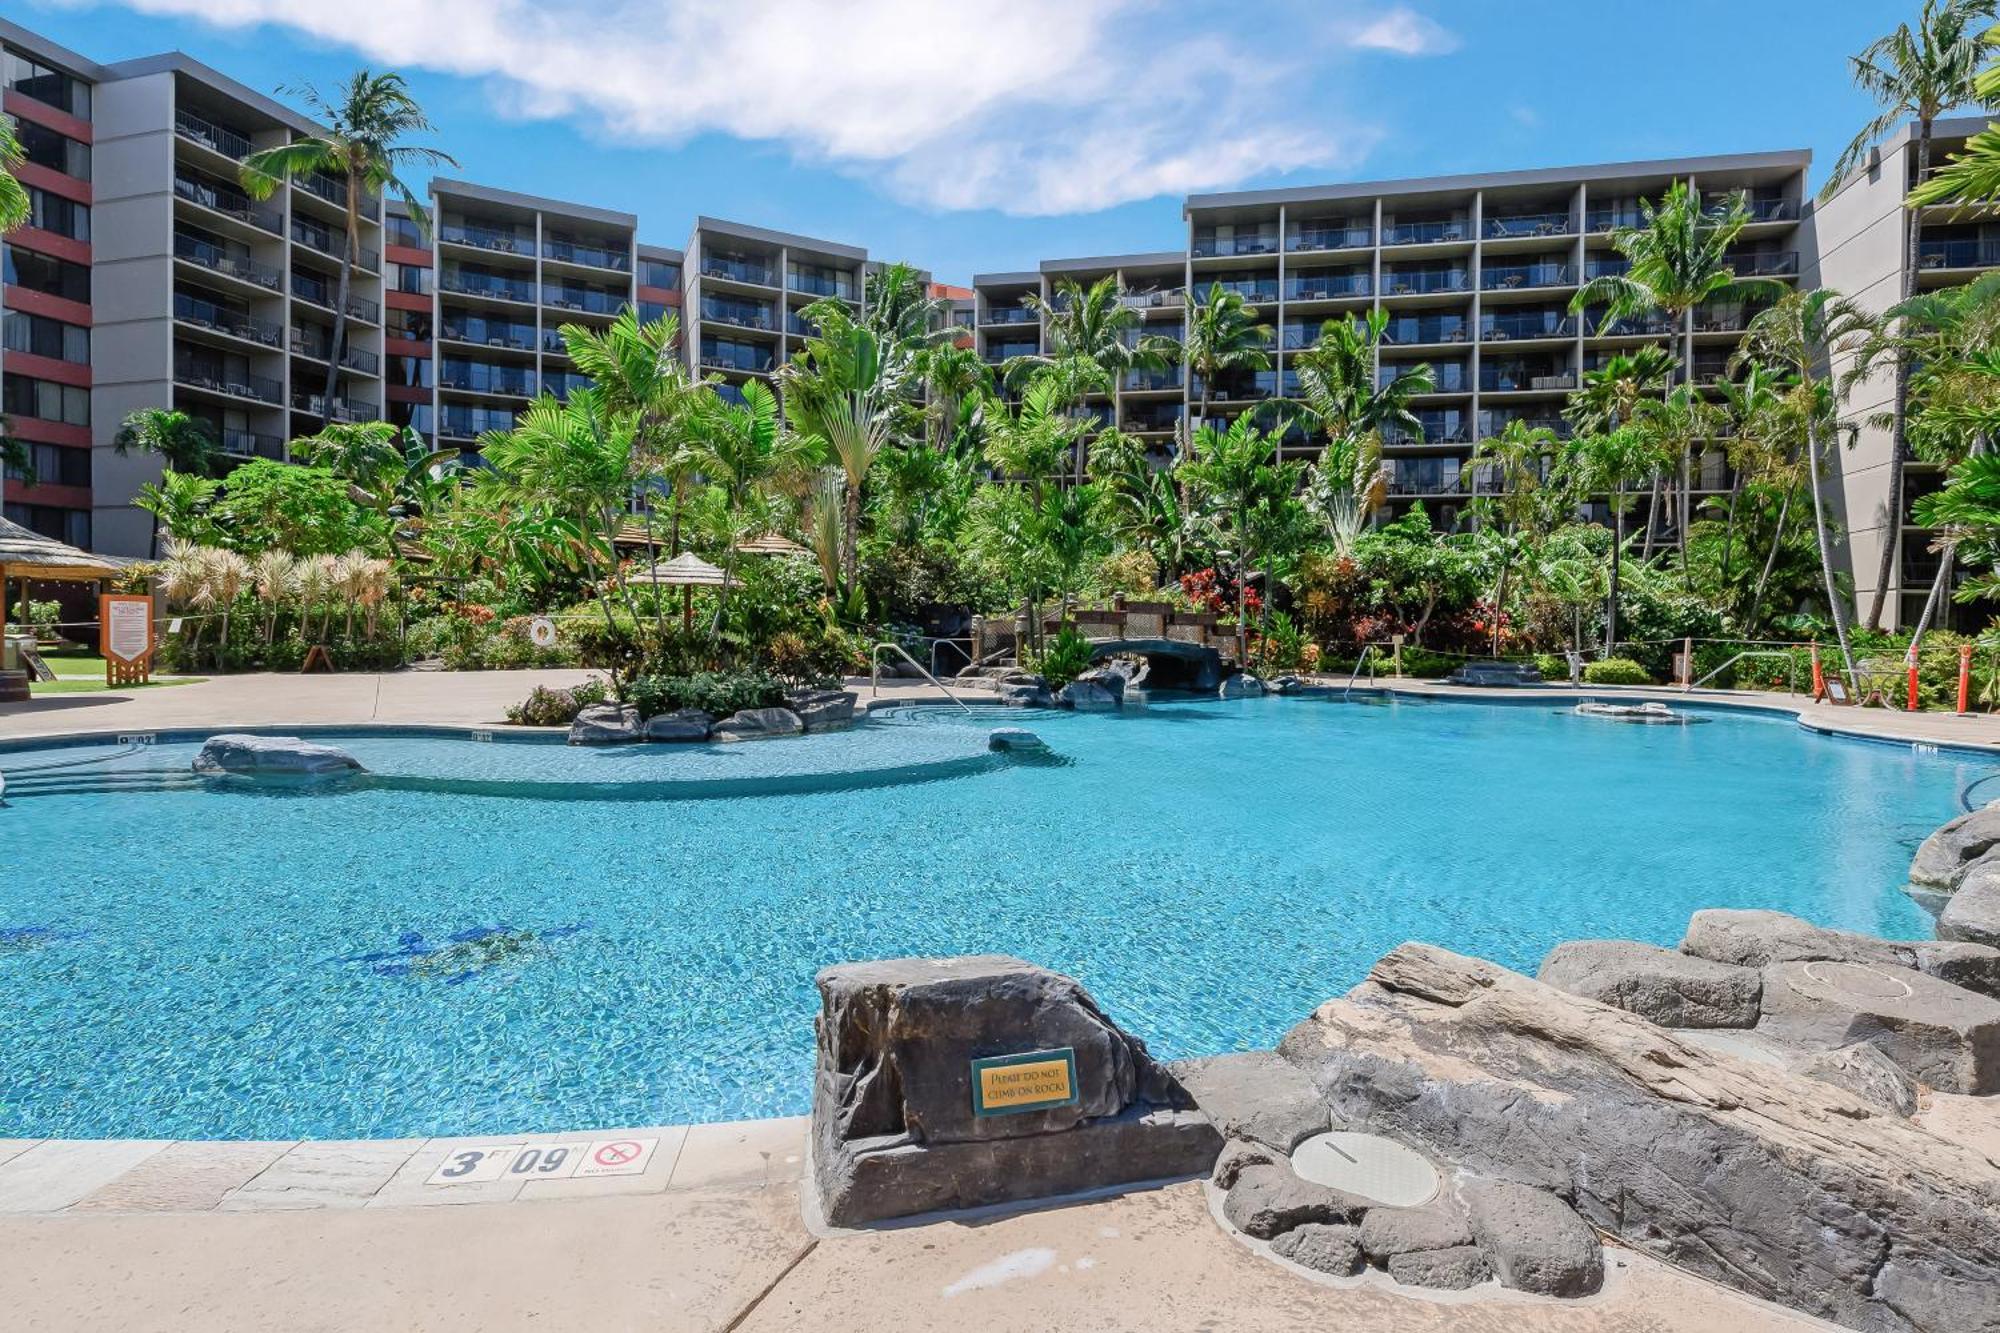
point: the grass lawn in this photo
(79, 671)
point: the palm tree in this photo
(185, 444)
(1800, 334)
(1096, 337)
(14, 202)
(1916, 73)
(952, 376)
(1608, 463)
(1519, 459)
(366, 121)
(740, 448)
(1678, 258)
(1608, 401)
(1236, 471)
(383, 464)
(1747, 403)
(836, 394)
(1222, 334)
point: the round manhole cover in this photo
(1368, 1165)
(1856, 979)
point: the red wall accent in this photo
(406, 347)
(48, 368)
(407, 301)
(41, 303)
(27, 108)
(404, 254)
(36, 431)
(69, 187)
(61, 497)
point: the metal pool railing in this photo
(875, 672)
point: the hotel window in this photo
(53, 213)
(414, 325)
(31, 78)
(64, 525)
(55, 465)
(416, 416)
(38, 335)
(58, 152)
(659, 273)
(404, 231)
(651, 312)
(412, 278)
(44, 400)
(410, 372)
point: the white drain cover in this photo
(1368, 1165)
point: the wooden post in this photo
(1964, 677)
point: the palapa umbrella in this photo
(771, 543)
(686, 571)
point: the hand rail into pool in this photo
(1791, 670)
(1367, 651)
(875, 672)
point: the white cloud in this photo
(1406, 33)
(1027, 106)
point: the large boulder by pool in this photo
(897, 1131)
(1023, 691)
(757, 724)
(606, 724)
(1945, 857)
(1758, 939)
(1668, 988)
(1943, 1035)
(1242, 685)
(1757, 1177)
(1087, 696)
(1169, 663)
(284, 758)
(824, 710)
(1972, 915)
(683, 725)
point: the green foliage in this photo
(1134, 573)
(41, 617)
(1282, 646)
(1615, 671)
(715, 692)
(549, 707)
(266, 504)
(1063, 658)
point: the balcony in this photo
(315, 343)
(587, 256)
(1447, 377)
(1732, 318)
(1437, 329)
(1436, 428)
(491, 286)
(1151, 381)
(585, 300)
(740, 314)
(320, 292)
(1009, 314)
(1760, 210)
(1711, 369)
(1785, 265)
(1212, 246)
(1413, 282)
(332, 244)
(215, 138)
(746, 359)
(1254, 290)
(215, 377)
(1607, 267)
(476, 236)
(1958, 254)
(251, 444)
(492, 333)
(1625, 216)
(1512, 277)
(194, 312)
(346, 410)
(563, 383)
(799, 326)
(477, 377)
(1424, 476)
(1631, 326)
(738, 270)
(1327, 286)
(230, 203)
(1504, 326)
(1330, 238)
(1153, 418)
(230, 263)
(815, 284)
(1494, 424)
(457, 421)
(1517, 225)
(1427, 233)
(1163, 298)
(322, 186)
(1525, 379)
(1239, 387)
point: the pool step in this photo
(87, 783)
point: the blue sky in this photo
(973, 137)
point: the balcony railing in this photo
(1240, 387)
(737, 270)
(459, 421)
(200, 314)
(343, 409)
(1437, 428)
(563, 383)
(229, 203)
(199, 374)
(1407, 282)
(1785, 265)
(1440, 329)
(503, 240)
(1154, 417)
(1725, 319)
(474, 377)
(214, 137)
(229, 263)
(1760, 210)
(1426, 233)
(588, 256)
(330, 188)
(1008, 314)
(1606, 267)
(1144, 381)
(320, 292)
(813, 284)
(712, 359)
(1492, 424)
(1530, 224)
(1446, 378)
(1330, 238)
(1958, 254)
(1210, 247)
(1711, 370)
(1525, 324)
(251, 444)
(493, 286)
(1614, 217)
(314, 344)
(1165, 297)
(1440, 479)
(1508, 277)
(1631, 326)
(493, 333)
(589, 300)
(327, 242)
(741, 315)
(1327, 286)
(1250, 289)
(1524, 379)
(800, 327)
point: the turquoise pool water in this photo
(504, 937)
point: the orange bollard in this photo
(1910, 660)
(1964, 678)
(1819, 676)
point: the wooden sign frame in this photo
(119, 669)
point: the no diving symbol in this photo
(616, 1154)
(618, 1157)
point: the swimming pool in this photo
(509, 937)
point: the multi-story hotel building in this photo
(146, 278)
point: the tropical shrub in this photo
(548, 707)
(1063, 658)
(1281, 647)
(40, 617)
(716, 692)
(1133, 572)
(1616, 671)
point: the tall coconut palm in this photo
(184, 444)
(1223, 333)
(1096, 337)
(1519, 459)
(1609, 463)
(1800, 335)
(14, 203)
(1608, 401)
(1237, 473)
(1678, 258)
(837, 396)
(366, 119)
(740, 448)
(952, 376)
(1915, 73)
